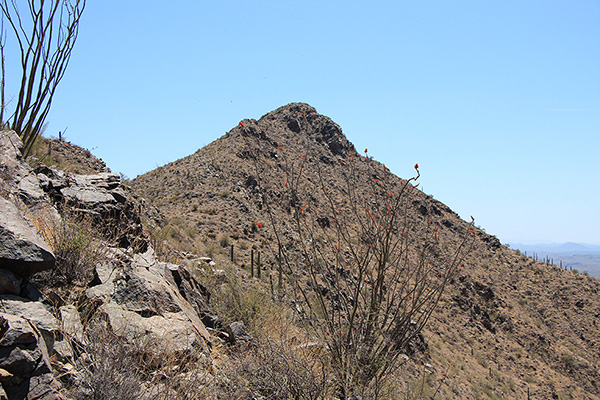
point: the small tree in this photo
(367, 269)
(45, 44)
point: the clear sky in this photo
(498, 101)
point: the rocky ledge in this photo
(133, 295)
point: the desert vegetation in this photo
(45, 33)
(363, 276)
(320, 275)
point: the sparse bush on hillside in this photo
(77, 245)
(224, 240)
(373, 277)
(114, 368)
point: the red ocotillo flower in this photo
(242, 124)
(366, 151)
(417, 166)
(258, 224)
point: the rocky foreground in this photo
(47, 329)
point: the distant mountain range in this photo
(583, 257)
(569, 247)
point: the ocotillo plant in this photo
(374, 272)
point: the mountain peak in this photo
(299, 122)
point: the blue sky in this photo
(498, 101)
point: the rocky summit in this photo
(170, 286)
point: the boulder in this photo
(36, 313)
(17, 175)
(22, 249)
(143, 300)
(238, 332)
(12, 165)
(25, 362)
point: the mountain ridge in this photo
(525, 327)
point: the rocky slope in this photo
(81, 292)
(507, 328)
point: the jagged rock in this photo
(23, 354)
(238, 332)
(22, 249)
(148, 298)
(103, 198)
(190, 289)
(21, 179)
(11, 164)
(5, 375)
(35, 312)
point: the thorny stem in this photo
(374, 278)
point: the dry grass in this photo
(77, 243)
(111, 368)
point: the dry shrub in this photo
(110, 367)
(280, 362)
(77, 243)
(366, 269)
(107, 370)
(242, 301)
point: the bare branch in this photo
(45, 54)
(367, 273)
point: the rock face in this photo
(100, 196)
(22, 249)
(143, 301)
(16, 175)
(138, 298)
(24, 358)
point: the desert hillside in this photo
(507, 326)
(196, 280)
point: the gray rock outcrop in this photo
(138, 299)
(25, 361)
(22, 249)
(142, 300)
